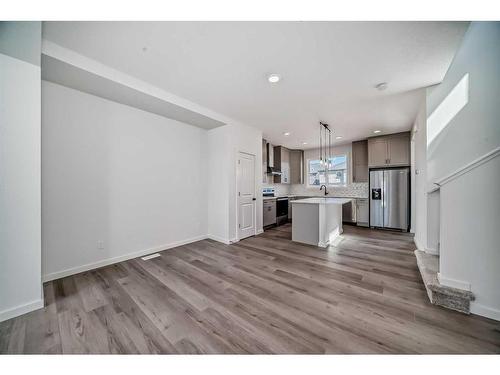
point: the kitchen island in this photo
(317, 221)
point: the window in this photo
(457, 99)
(337, 172)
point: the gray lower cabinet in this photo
(362, 213)
(269, 212)
(349, 212)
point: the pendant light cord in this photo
(325, 150)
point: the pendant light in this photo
(325, 147)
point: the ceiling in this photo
(328, 69)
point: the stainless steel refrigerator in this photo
(389, 198)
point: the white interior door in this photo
(246, 195)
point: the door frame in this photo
(237, 237)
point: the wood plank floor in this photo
(264, 294)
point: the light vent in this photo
(151, 256)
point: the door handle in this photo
(254, 199)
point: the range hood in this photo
(271, 169)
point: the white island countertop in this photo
(322, 200)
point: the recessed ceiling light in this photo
(273, 78)
(377, 131)
(304, 143)
(381, 86)
(338, 137)
(286, 134)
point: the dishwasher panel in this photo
(269, 212)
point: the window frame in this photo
(346, 155)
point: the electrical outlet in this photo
(100, 245)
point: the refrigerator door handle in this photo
(376, 198)
(384, 197)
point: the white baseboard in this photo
(427, 250)
(232, 240)
(453, 283)
(431, 251)
(417, 244)
(20, 310)
(486, 311)
(218, 239)
(121, 258)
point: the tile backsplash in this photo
(354, 190)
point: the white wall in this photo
(20, 233)
(21, 40)
(218, 183)
(412, 183)
(475, 129)
(433, 222)
(224, 144)
(469, 251)
(419, 189)
(112, 173)
(469, 206)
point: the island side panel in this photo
(305, 223)
(331, 223)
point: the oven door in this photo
(282, 210)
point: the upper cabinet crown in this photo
(390, 150)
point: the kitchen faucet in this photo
(321, 188)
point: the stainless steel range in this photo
(275, 208)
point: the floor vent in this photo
(151, 256)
